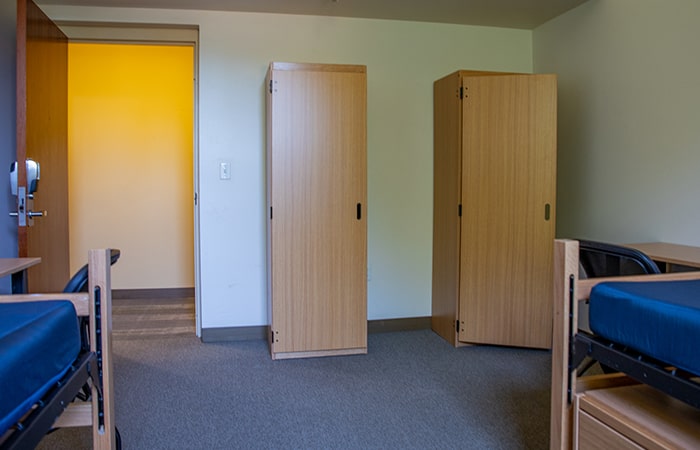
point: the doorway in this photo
(132, 165)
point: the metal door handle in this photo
(32, 214)
(24, 202)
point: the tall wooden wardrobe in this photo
(494, 208)
(317, 213)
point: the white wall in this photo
(403, 59)
(629, 134)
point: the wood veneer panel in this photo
(509, 175)
(565, 263)
(674, 254)
(314, 67)
(447, 140)
(595, 435)
(645, 415)
(317, 178)
(100, 284)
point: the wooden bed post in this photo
(103, 428)
(565, 278)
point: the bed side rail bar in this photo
(31, 430)
(80, 300)
(584, 287)
(675, 382)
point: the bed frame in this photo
(612, 410)
(94, 367)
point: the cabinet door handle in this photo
(547, 212)
(359, 211)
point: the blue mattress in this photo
(659, 319)
(38, 343)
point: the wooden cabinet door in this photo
(317, 177)
(508, 199)
(447, 185)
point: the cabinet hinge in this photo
(270, 85)
(459, 210)
(270, 212)
(457, 325)
(461, 92)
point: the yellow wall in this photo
(130, 160)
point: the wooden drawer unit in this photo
(594, 434)
(633, 417)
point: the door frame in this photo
(129, 33)
(8, 132)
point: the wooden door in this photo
(42, 130)
(318, 239)
(447, 175)
(508, 198)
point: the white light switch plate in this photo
(225, 171)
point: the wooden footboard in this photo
(568, 291)
(96, 304)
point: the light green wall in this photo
(403, 59)
(629, 134)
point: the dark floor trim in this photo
(234, 334)
(152, 293)
(404, 324)
(260, 332)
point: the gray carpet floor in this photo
(412, 390)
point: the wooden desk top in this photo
(684, 255)
(8, 266)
